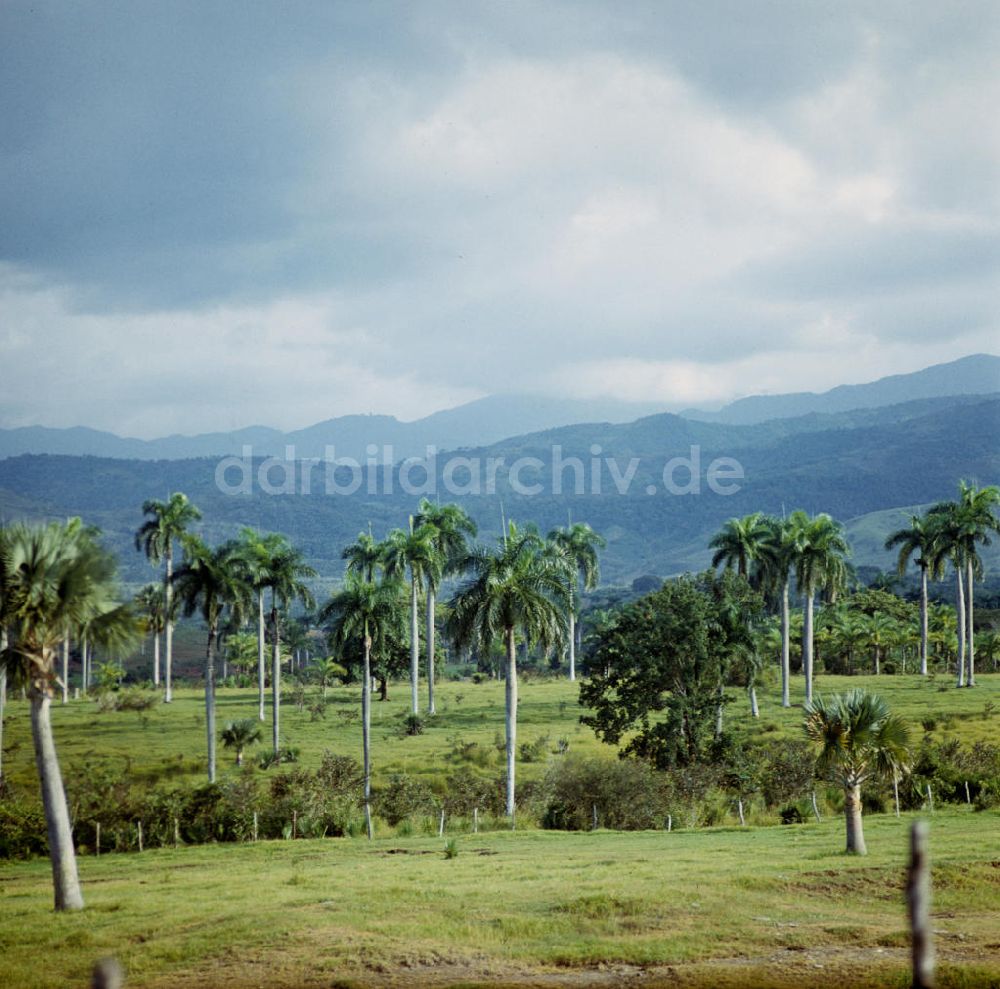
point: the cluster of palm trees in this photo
(949, 533)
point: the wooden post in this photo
(475, 820)
(739, 807)
(138, 829)
(815, 806)
(97, 842)
(255, 826)
(441, 824)
(108, 974)
(670, 823)
(918, 898)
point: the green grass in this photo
(168, 742)
(715, 904)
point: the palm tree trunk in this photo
(572, 642)
(855, 828)
(210, 701)
(754, 709)
(366, 730)
(430, 651)
(786, 649)
(168, 634)
(3, 695)
(276, 685)
(156, 659)
(65, 669)
(960, 608)
(877, 657)
(260, 654)
(85, 663)
(923, 621)
(719, 706)
(970, 636)
(510, 717)
(414, 645)
(807, 644)
(65, 880)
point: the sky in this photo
(214, 214)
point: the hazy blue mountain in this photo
(849, 464)
(974, 375)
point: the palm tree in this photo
(284, 572)
(859, 740)
(168, 523)
(55, 577)
(448, 527)
(579, 544)
(516, 587)
(256, 551)
(879, 630)
(740, 541)
(326, 671)
(818, 550)
(239, 735)
(917, 543)
(210, 581)
(369, 612)
(416, 552)
(988, 644)
(365, 556)
(151, 602)
(969, 521)
(773, 559)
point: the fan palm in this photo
(369, 612)
(818, 551)
(55, 577)
(516, 587)
(414, 551)
(239, 735)
(579, 543)
(859, 740)
(916, 543)
(169, 521)
(212, 581)
(448, 527)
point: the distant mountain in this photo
(978, 374)
(474, 424)
(850, 464)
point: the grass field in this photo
(168, 742)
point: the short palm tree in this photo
(240, 735)
(169, 522)
(818, 551)
(917, 543)
(54, 577)
(210, 582)
(326, 671)
(370, 613)
(448, 526)
(514, 588)
(579, 543)
(859, 741)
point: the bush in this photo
(403, 797)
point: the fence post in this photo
(475, 820)
(918, 896)
(255, 826)
(670, 823)
(739, 807)
(139, 833)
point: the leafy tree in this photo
(370, 613)
(55, 577)
(579, 543)
(818, 550)
(239, 735)
(212, 581)
(169, 522)
(859, 740)
(514, 587)
(448, 527)
(656, 672)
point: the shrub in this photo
(402, 797)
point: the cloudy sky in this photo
(221, 213)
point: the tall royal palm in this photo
(515, 588)
(413, 552)
(773, 561)
(448, 527)
(970, 521)
(152, 605)
(55, 577)
(211, 581)
(256, 551)
(916, 543)
(579, 544)
(368, 612)
(819, 552)
(285, 573)
(739, 542)
(169, 521)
